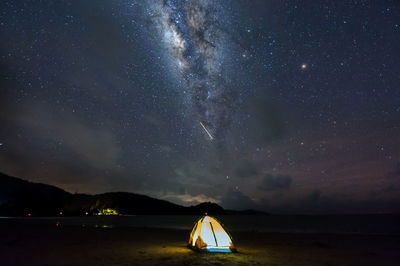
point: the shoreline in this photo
(150, 221)
(43, 244)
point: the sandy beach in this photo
(40, 244)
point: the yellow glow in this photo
(209, 234)
(107, 226)
(108, 211)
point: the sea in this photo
(377, 224)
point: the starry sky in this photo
(283, 106)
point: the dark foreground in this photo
(37, 244)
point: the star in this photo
(275, 99)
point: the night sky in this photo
(282, 106)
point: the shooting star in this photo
(208, 133)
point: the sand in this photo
(75, 245)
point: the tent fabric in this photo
(209, 235)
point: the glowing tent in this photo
(209, 235)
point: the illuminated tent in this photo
(209, 235)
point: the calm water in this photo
(334, 224)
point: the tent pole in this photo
(212, 229)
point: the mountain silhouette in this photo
(21, 198)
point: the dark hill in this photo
(20, 198)
(123, 202)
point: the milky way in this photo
(300, 98)
(193, 33)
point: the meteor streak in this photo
(208, 133)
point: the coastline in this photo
(43, 244)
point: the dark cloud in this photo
(312, 199)
(277, 182)
(317, 202)
(59, 149)
(61, 171)
(397, 170)
(98, 147)
(195, 178)
(236, 200)
(391, 188)
(266, 120)
(246, 169)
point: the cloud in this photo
(395, 173)
(246, 169)
(316, 201)
(236, 200)
(278, 182)
(194, 173)
(397, 170)
(62, 171)
(313, 198)
(96, 146)
(59, 149)
(266, 121)
(188, 199)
